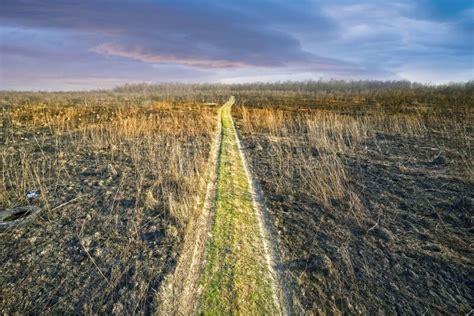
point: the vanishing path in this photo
(227, 263)
(238, 276)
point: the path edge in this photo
(179, 293)
(280, 287)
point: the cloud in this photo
(398, 34)
(110, 49)
(235, 39)
(166, 31)
(31, 59)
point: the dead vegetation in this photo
(319, 139)
(366, 200)
(369, 186)
(117, 183)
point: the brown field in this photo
(369, 189)
(117, 179)
(372, 203)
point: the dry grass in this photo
(131, 174)
(119, 178)
(307, 146)
(350, 185)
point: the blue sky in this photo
(87, 44)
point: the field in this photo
(372, 202)
(366, 199)
(118, 180)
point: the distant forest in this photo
(330, 86)
(322, 93)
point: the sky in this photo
(95, 44)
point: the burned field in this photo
(368, 189)
(117, 177)
(371, 198)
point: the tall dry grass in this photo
(117, 184)
(348, 182)
(308, 146)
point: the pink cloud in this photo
(153, 58)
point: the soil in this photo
(407, 250)
(67, 258)
(101, 245)
(179, 293)
(98, 246)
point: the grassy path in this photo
(236, 278)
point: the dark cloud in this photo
(220, 40)
(444, 10)
(213, 35)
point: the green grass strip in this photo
(235, 279)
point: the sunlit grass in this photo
(236, 278)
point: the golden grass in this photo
(308, 144)
(134, 169)
(308, 159)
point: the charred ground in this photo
(371, 196)
(118, 178)
(368, 185)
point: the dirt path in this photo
(238, 275)
(178, 296)
(228, 263)
(280, 279)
